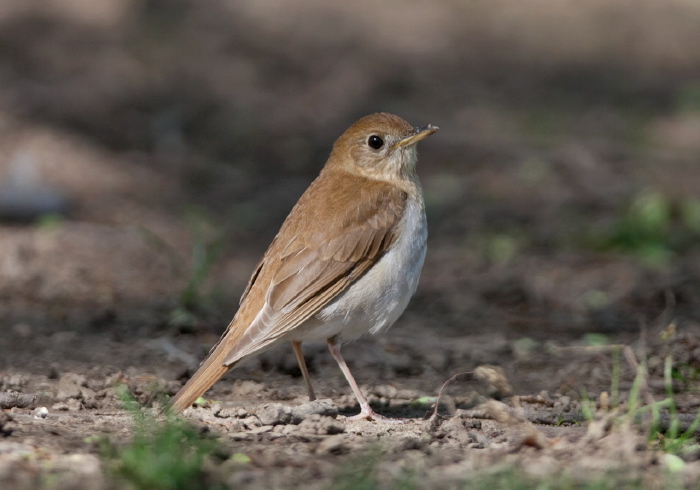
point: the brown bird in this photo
(346, 260)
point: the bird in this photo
(345, 262)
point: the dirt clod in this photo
(319, 424)
(274, 414)
(12, 399)
(335, 445)
(70, 387)
(494, 381)
(6, 424)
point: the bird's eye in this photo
(375, 142)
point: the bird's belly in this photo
(376, 300)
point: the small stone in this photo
(41, 412)
(493, 378)
(321, 425)
(70, 405)
(331, 426)
(482, 440)
(262, 430)
(411, 442)
(545, 397)
(333, 445)
(277, 413)
(251, 422)
(274, 414)
(472, 424)
(324, 407)
(232, 425)
(454, 424)
(563, 403)
(70, 386)
(75, 405)
(6, 423)
(455, 429)
(87, 394)
(226, 413)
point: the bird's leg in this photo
(302, 365)
(366, 411)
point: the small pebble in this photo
(333, 445)
(274, 414)
(41, 412)
(261, 430)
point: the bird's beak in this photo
(417, 135)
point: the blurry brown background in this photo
(157, 145)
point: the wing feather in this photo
(328, 249)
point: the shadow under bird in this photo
(346, 260)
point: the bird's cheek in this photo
(361, 158)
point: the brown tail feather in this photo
(208, 373)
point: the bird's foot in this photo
(369, 414)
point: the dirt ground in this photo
(149, 151)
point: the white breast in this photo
(379, 297)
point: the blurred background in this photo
(150, 149)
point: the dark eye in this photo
(375, 142)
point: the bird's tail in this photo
(208, 373)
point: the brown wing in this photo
(251, 281)
(322, 248)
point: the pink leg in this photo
(366, 411)
(302, 365)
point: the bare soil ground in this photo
(164, 142)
